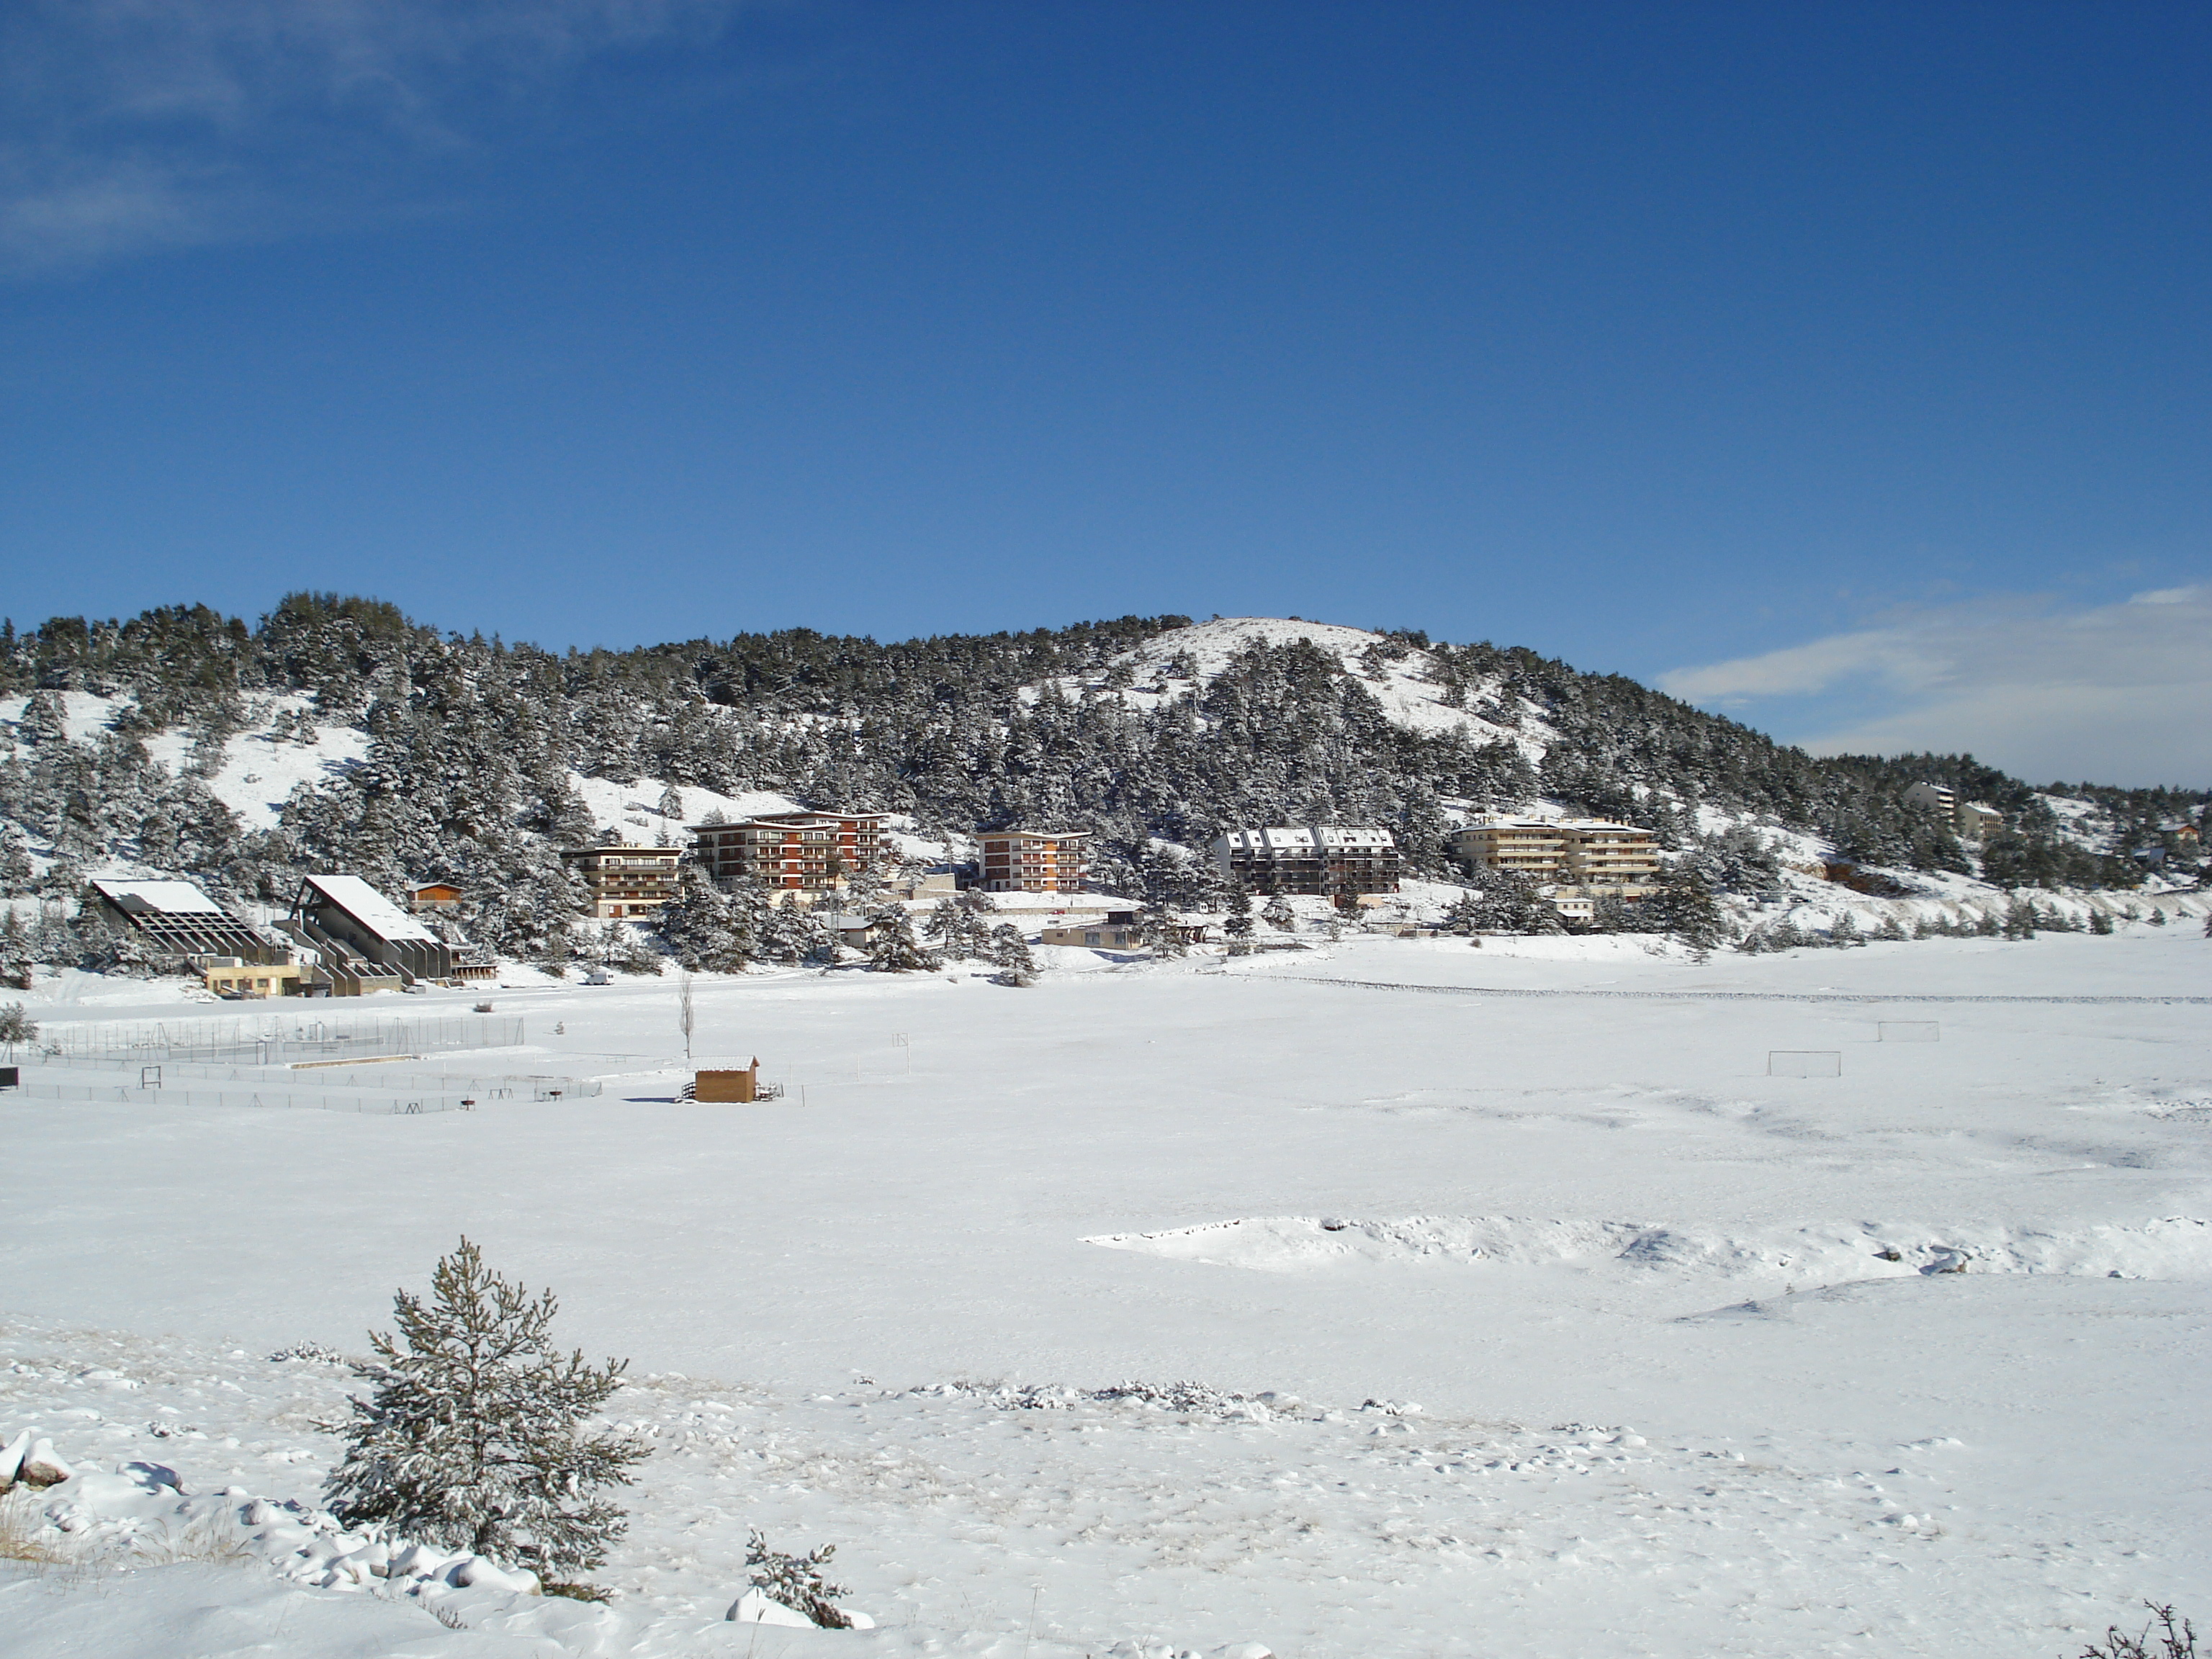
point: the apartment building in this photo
(805, 853)
(1033, 861)
(1312, 858)
(625, 880)
(1580, 853)
(1968, 820)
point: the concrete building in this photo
(227, 976)
(804, 852)
(1968, 820)
(1580, 853)
(1313, 858)
(1033, 861)
(365, 943)
(175, 919)
(625, 880)
(1115, 931)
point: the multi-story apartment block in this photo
(1032, 861)
(1310, 858)
(1580, 851)
(626, 880)
(805, 853)
(1968, 820)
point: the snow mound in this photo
(2175, 1247)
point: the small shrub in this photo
(796, 1582)
(2161, 1639)
(576, 1592)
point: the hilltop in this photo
(337, 732)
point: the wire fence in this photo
(372, 1105)
(273, 1040)
(168, 1074)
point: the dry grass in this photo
(23, 1536)
(210, 1538)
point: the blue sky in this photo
(1843, 367)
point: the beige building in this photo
(626, 880)
(804, 852)
(1580, 852)
(227, 976)
(1033, 861)
(1969, 820)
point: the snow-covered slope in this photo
(1405, 683)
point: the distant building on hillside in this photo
(1314, 858)
(435, 898)
(804, 852)
(626, 880)
(1033, 861)
(1968, 820)
(1580, 852)
(175, 918)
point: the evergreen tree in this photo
(1237, 924)
(892, 947)
(474, 1435)
(2101, 923)
(1011, 952)
(1278, 913)
(16, 960)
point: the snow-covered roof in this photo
(370, 908)
(1289, 836)
(168, 898)
(1500, 821)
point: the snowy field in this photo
(1536, 1324)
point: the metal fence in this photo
(374, 1105)
(169, 1075)
(273, 1040)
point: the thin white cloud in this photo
(131, 124)
(2116, 693)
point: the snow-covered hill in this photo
(1400, 677)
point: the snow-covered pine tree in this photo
(796, 1582)
(16, 1027)
(892, 947)
(16, 958)
(1237, 924)
(1011, 955)
(474, 1437)
(1278, 913)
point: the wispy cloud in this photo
(131, 124)
(2114, 693)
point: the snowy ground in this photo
(1694, 1375)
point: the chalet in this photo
(627, 880)
(438, 897)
